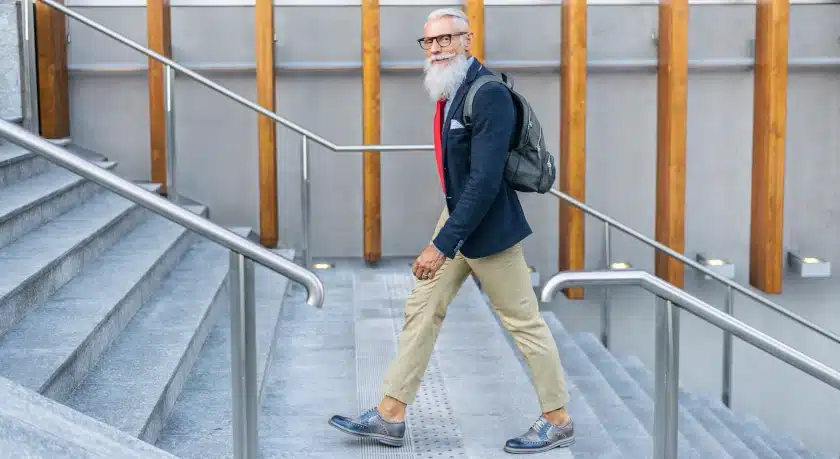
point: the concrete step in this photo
(790, 443)
(29, 204)
(34, 426)
(138, 379)
(17, 164)
(70, 331)
(725, 436)
(694, 440)
(744, 426)
(622, 425)
(200, 424)
(727, 433)
(35, 266)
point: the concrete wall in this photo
(10, 84)
(217, 150)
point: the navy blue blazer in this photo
(485, 215)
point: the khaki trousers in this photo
(506, 279)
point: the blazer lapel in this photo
(472, 74)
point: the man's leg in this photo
(425, 311)
(505, 278)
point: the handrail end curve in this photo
(565, 279)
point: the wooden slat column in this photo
(372, 217)
(572, 138)
(475, 13)
(266, 127)
(53, 92)
(769, 130)
(671, 137)
(158, 28)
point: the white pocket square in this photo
(455, 124)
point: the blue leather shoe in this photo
(542, 436)
(371, 425)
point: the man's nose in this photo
(435, 47)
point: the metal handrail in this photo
(609, 221)
(161, 206)
(667, 341)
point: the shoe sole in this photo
(390, 441)
(560, 444)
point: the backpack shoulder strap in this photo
(474, 87)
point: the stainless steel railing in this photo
(243, 254)
(666, 369)
(308, 136)
(729, 301)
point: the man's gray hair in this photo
(455, 13)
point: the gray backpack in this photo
(529, 166)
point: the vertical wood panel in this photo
(672, 95)
(53, 93)
(159, 40)
(572, 138)
(266, 127)
(475, 13)
(769, 129)
(371, 131)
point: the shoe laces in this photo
(541, 425)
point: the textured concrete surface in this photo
(17, 164)
(10, 84)
(200, 422)
(33, 426)
(29, 204)
(167, 333)
(69, 332)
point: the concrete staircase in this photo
(115, 342)
(106, 307)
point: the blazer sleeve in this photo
(494, 118)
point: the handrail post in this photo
(605, 303)
(169, 129)
(243, 356)
(305, 198)
(29, 68)
(666, 370)
(726, 393)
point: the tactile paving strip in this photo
(432, 421)
(432, 427)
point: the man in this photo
(479, 231)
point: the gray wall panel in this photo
(89, 47)
(205, 34)
(814, 31)
(812, 194)
(110, 114)
(619, 32)
(218, 139)
(308, 33)
(538, 40)
(738, 22)
(719, 166)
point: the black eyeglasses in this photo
(443, 40)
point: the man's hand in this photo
(429, 261)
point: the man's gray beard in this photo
(441, 82)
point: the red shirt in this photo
(438, 129)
